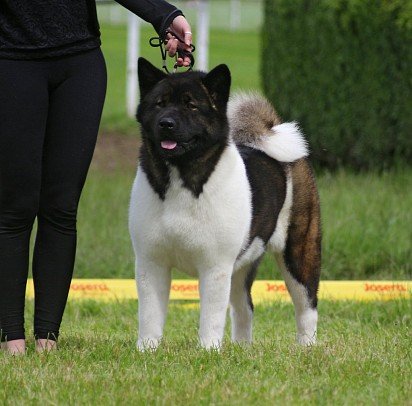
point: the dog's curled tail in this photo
(254, 123)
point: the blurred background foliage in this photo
(343, 70)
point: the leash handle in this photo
(157, 42)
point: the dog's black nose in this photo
(167, 123)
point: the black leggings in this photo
(50, 112)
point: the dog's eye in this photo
(191, 106)
(161, 103)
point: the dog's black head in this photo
(183, 115)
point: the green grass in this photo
(240, 51)
(363, 357)
(366, 227)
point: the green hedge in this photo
(343, 70)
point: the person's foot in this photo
(45, 345)
(14, 347)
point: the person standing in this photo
(52, 90)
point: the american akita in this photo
(213, 192)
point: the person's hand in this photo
(182, 29)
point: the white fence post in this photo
(115, 14)
(133, 42)
(235, 14)
(203, 35)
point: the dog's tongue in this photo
(168, 144)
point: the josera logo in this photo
(275, 287)
(184, 287)
(89, 287)
(380, 287)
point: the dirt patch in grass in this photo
(115, 152)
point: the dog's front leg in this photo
(214, 301)
(153, 286)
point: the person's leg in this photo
(74, 115)
(23, 114)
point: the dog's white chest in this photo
(188, 232)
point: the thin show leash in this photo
(157, 42)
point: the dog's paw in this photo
(212, 344)
(306, 340)
(148, 344)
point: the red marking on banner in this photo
(378, 287)
(94, 287)
(274, 287)
(179, 287)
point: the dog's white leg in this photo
(153, 286)
(306, 313)
(214, 300)
(241, 306)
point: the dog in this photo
(218, 184)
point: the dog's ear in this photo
(149, 76)
(217, 83)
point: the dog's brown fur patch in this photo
(303, 248)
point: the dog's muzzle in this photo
(167, 126)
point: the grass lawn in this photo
(363, 357)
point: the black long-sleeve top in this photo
(37, 29)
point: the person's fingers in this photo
(168, 39)
(183, 61)
(179, 62)
(187, 61)
(173, 44)
(186, 46)
(188, 38)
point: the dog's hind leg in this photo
(153, 286)
(241, 305)
(304, 298)
(301, 257)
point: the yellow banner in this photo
(262, 291)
